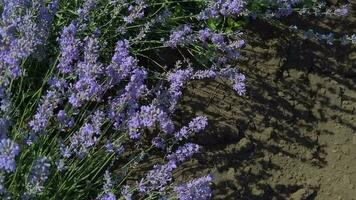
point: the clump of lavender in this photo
(8, 151)
(198, 189)
(17, 38)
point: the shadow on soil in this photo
(251, 138)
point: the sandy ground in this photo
(293, 136)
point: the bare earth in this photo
(293, 136)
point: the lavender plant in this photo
(104, 105)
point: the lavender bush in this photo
(84, 104)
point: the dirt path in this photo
(293, 136)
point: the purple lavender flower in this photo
(89, 72)
(17, 38)
(179, 37)
(342, 11)
(203, 74)
(158, 142)
(69, 46)
(64, 120)
(83, 13)
(148, 117)
(122, 64)
(236, 78)
(4, 128)
(218, 39)
(45, 111)
(198, 123)
(8, 151)
(136, 86)
(38, 176)
(108, 186)
(85, 138)
(112, 147)
(198, 189)
(108, 196)
(204, 34)
(157, 178)
(183, 153)
(136, 11)
(177, 79)
(125, 192)
(61, 165)
(195, 126)
(161, 175)
(222, 7)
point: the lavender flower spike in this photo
(198, 189)
(69, 49)
(8, 151)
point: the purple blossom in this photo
(198, 189)
(183, 153)
(89, 71)
(83, 13)
(122, 64)
(61, 165)
(64, 120)
(4, 127)
(179, 37)
(161, 175)
(342, 11)
(108, 196)
(177, 80)
(69, 47)
(8, 151)
(198, 124)
(204, 34)
(17, 38)
(237, 79)
(195, 126)
(112, 147)
(45, 111)
(157, 178)
(136, 11)
(38, 176)
(136, 87)
(218, 39)
(149, 117)
(203, 74)
(158, 142)
(222, 7)
(125, 192)
(85, 138)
